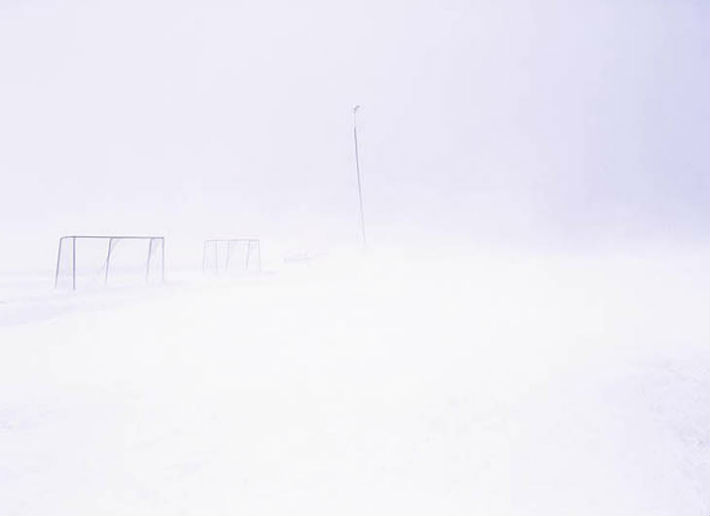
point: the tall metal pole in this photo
(359, 181)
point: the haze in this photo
(507, 123)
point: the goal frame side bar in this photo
(110, 238)
(251, 243)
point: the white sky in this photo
(515, 122)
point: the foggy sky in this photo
(561, 123)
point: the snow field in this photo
(491, 386)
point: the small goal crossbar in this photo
(252, 254)
(153, 241)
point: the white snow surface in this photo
(475, 385)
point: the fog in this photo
(552, 124)
(526, 331)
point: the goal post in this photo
(231, 255)
(103, 250)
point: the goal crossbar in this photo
(160, 241)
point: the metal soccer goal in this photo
(231, 256)
(94, 259)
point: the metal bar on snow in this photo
(59, 257)
(147, 263)
(73, 263)
(108, 260)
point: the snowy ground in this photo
(460, 386)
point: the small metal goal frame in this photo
(111, 238)
(251, 243)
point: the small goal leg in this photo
(73, 263)
(59, 259)
(258, 254)
(226, 261)
(147, 263)
(108, 260)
